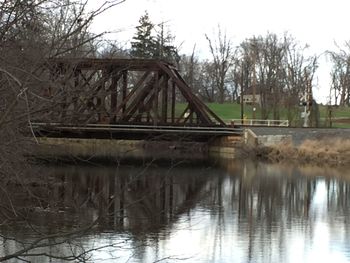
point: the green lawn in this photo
(339, 112)
(340, 125)
(228, 111)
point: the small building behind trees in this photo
(248, 96)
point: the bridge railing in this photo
(257, 122)
(103, 118)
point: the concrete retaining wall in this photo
(271, 140)
(252, 140)
(115, 149)
(226, 147)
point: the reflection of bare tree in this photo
(268, 204)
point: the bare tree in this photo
(299, 72)
(222, 53)
(269, 55)
(208, 83)
(241, 71)
(235, 77)
(283, 73)
(189, 66)
(30, 33)
(340, 74)
(200, 75)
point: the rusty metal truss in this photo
(123, 91)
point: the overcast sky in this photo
(319, 23)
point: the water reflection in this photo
(232, 212)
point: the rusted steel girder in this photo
(118, 91)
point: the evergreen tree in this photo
(151, 41)
(144, 43)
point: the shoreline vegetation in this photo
(326, 151)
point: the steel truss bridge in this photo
(123, 98)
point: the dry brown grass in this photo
(328, 151)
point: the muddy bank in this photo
(326, 151)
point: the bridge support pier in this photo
(225, 147)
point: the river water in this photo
(230, 211)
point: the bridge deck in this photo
(118, 131)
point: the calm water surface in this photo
(233, 211)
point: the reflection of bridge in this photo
(118, 98)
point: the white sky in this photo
(319, 23)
